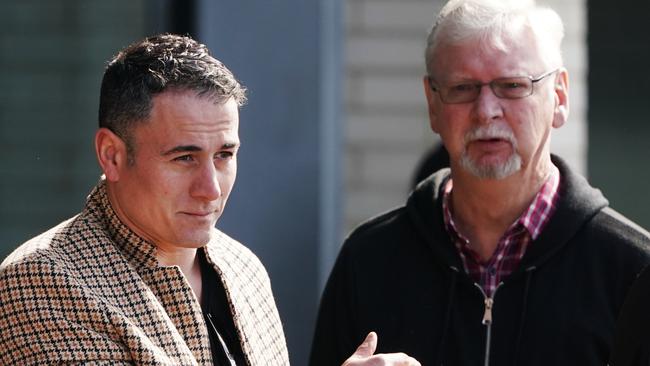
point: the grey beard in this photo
(491, 171)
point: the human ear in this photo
(431, 106)
(561, 89)
(111, 153)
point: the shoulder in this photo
(44, 258)
(35, 278)
(383, 223)
(587, 228)
(38, 285)
(222, 244)
(392, 237)
(419, 219)
(614, 220)
(612, 228)
(67, 260)
(381, 230)
(45, 247)
(233, 259)
(610, 240)
(423, 206)
(584, 214)
(404, 229)
(70, 246)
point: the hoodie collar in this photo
(577, 203)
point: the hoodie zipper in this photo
(487, 319)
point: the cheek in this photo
(167, 187)
(231, 172)
(531, 131)
(227, 174)
(228, 181)
(453, 128)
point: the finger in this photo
(413, 362)
(368, 347)
(397, 359)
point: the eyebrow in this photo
(193, 148)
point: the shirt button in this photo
(492, 271)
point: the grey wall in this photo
(285, 205)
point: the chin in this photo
(195, 240)
(493, 169)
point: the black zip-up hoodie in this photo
(400, 275)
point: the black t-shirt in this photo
(218, 318)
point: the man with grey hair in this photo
(508, 257)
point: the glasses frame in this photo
(491, 84)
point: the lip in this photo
(199, 213)
(492, 143)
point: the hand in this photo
(364, 355)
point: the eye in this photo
(512, 84)
(224, 155)
(462, 88)
(184, 158)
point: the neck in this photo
(185, 258)
(483, 209)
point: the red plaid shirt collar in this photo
(513, 244)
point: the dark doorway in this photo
(619, 104)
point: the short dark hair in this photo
(154, 65)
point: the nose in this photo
(487, 106)
(206, 183)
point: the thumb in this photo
(368, 347)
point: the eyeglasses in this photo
(506, 88)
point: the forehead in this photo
(184, 117)
(515, 54)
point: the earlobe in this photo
(111, 153)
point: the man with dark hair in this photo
(160, 63)
(508, 257)
(141, 275)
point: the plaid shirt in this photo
(514, 242)
(91, 291)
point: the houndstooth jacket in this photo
(90, 291)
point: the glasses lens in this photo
(512, 88)
(461, 93)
